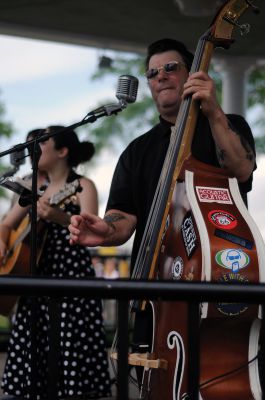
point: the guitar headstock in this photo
(66, 192)
(226, 19)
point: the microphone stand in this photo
(36, 153)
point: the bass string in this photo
(144, 257)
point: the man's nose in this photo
(161, 73)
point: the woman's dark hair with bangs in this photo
(34, 133)
(78, 152)
(162, 45)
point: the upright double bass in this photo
(199, 229)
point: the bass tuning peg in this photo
(244, 28)
(255, 9)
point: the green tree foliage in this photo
(260, 144)
(256, 87)
(6, 130)
(256, 96)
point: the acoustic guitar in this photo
(17, 259)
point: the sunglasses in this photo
(172, 66)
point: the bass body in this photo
(209, 237)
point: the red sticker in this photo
(222, 219)
(212, 194)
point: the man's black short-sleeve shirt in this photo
(138, 169)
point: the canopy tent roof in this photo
(121, 24)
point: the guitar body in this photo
(209, 236)
(17, 250)
(17, 261)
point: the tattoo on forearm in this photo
(221, 153)
(110, 218)
(244, 142)
(249, 151)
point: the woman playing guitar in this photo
(82, 341)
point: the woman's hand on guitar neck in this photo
(51, 213)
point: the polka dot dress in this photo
(83, 365)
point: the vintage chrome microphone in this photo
(126, 93)
(127, 89)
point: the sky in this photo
(46, 83)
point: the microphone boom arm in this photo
(107, 110)
(91, 117)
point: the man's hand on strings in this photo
(202, 88)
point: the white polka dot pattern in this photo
(83, 365)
